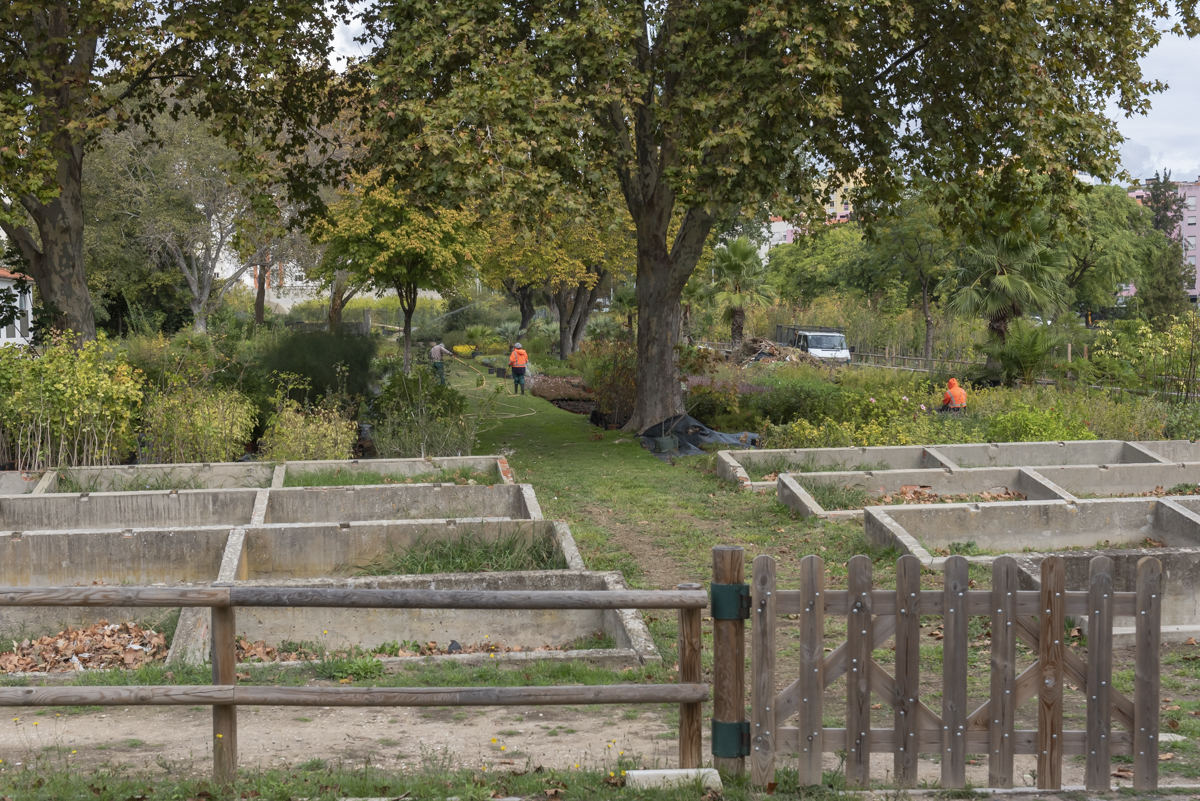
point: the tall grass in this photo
(469, 554)
(347, 477)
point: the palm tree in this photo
(739, 283)
(624, 302)
(1006, 276)
(510, 331)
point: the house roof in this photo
(12, 276)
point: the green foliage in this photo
(1026, 352)
(417, 416)
(509, 332)
(67, 406)
(355, 667)
(1162, 293)
(469, 554)
(195, 424)
(739, 283)
(1027, 424)
(299, 434)
(330, 364)
(1110, 244)
(814, 265)
(610, 369)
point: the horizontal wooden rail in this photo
(979, 602)
(929, 741)
(207, 694)
(351, 599)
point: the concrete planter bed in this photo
(302, 536)
(234, 475)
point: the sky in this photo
(1169, 136)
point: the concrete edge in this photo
(532, 507)
(882, 531)
(730, 469)
(278, 476)
(1142, 449)
(566, 543)
(941, 459)
(634, 626)
(796, 497)
(47, 483)
(506, 472)
(1050, 486)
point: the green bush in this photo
(610, 370)
(67, 406)
(417, 416)
(1026, 424)
(316, 356)
(296, 434)
(196, 424)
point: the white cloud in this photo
(1168, 137)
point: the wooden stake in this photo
(762, 701)
(908, 669)
(1002, 707)
(729, 654)
(1099, 674)
(1051, 655)
(859, 644)
(690, 749)
(224, 669)
(811, 688)
(954, 673)
(1146, 674)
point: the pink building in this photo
(1188, 229)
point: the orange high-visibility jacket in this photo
(518, 358)
(956, 396)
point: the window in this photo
(1192, 220)
(1191, 243)
(1191, 259)
(1191, 203)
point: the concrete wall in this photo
(1174, 450)
(323, 549)
(1036, 454)
(394, 502)
(13, 482)
(1181, 586)
(183, 508)
(899, 457)
(1121, 479)
(406, 467)
(220, 475)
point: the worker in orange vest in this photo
(517, 361)
(955, 399)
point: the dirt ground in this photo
(176, 740)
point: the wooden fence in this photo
(1036, 618)
(224, 695)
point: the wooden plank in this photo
(350, 599)
(859, 643)
(884, 686)
(787, 703)
(1101, 580)
(1146, 674)
(224, 672)
(1076, 672)
(930, 741)
(811, 690)
(762, 718)
(1026, 688)
(978, 602)
(1051, 652)
(954, 672)
(729, 654)
(114, 596)
(468, 599)
(691, 753)
(907, 688)
(353, 696)
(1002, 709)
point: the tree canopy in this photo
(705, 107)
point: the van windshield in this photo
(826, 342)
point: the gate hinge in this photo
(730, 739)
(730, 601)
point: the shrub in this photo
(417, 416)
(463, 350)
(67, 406)
(317, 356)
(196, 424)
(296, 434)
(1026, 424)
(610, 370)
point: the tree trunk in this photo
(572, 305)
(523, 295)
(928, 318)
(339, 296)
(407, 293)
(737, 322)
(260, 296)
(56, 267)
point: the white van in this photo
(827, 344)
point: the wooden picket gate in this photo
(1037, 618)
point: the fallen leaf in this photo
(1172, 724)
(1165, 757)
(643, 522)
(1171, 708)
(1123, 773)
(1190, 641)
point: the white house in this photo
(18, 332)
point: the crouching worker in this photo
(517, 361)
(955, 399)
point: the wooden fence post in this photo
(690, 749)
(1101, 585)
(908, 670)
(954, 673)
(812, 669)
(1051, 656)
(859, 644)
(224, 670)
(1145, 674)
(762, 664)
(1002, 704)
(729, 655)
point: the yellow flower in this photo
(501, 748)
(493, 741)
(610, 773)
(35, 723)
(576, 764)
(621, 753)
(485, 767)
(622, 773)
(219, 736)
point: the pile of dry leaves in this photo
(915, 493)
(558, 388)
(103, 645)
